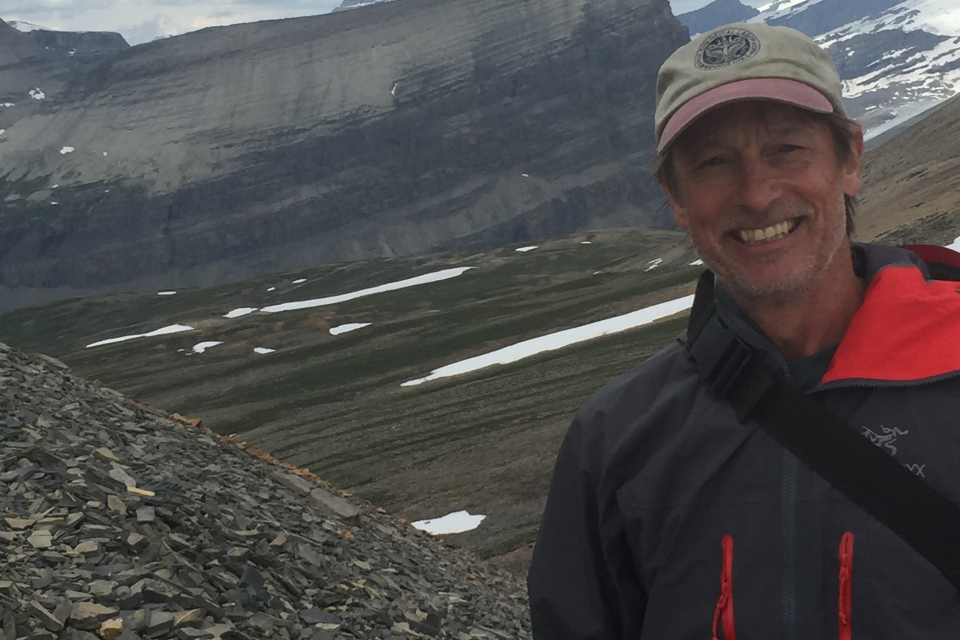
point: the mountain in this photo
(37, 63)
(718, 12)
(404, 127)
(911, 190)
(122, 522)
(897, 60)
(81, 48)
(28, 72)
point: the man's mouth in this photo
(773, 232)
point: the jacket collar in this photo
(906, 331)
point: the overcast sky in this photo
(143, 20)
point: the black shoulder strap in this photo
(901, 501)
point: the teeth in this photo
(773, 232)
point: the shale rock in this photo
(210, 541)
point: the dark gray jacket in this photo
(655, 474)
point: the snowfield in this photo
(174, 328)
(559, 340)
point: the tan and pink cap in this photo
(743, 61)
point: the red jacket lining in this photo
(905, 315)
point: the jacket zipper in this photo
(788, 517)
(723, 614)
(846, 584)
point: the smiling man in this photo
(669, 468)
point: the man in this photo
(665, 508)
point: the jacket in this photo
(667, 518)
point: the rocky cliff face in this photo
(36, 64)
(399, 128)
(81, 47)
(27, 73)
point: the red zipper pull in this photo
(846, 586)
(723, 614)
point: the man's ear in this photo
(679, 212)
(850, 173)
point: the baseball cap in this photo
(743, 61)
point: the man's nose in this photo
(760, 185)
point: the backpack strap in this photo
(943, 263)
(738, 373)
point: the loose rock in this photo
(122, 524)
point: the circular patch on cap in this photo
(726, 47)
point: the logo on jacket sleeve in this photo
(726, 47)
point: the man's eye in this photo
(787, 148)
(715, 161)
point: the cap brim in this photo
(778, 89)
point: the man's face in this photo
(761, 193)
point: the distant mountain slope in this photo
(297, 383)
(718, 12)
(911, 189)
(897, 59)
(37, 63)
(28, 73)
(405, 127)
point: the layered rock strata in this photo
(393, 129)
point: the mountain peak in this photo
(716, 13)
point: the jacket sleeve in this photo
(583, 582)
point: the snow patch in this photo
(436, 276)
(586, 242)
(351, 326)
(200, 347)
(653, 264)
(7, 104)
(272, 289)
(242, 311)
(696, 263)
(559, 340)
(300, 281)
(166, 293)
(263, 350)
(36, 94)
(66, 150)
(525, 249)
(25, 27)
(456, 522)
(956, 244)
(174, 328)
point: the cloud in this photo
(156, 27)
(144, 20)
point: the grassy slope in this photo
(483, 441)
(911, 189)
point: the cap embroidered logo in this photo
(726, 47)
